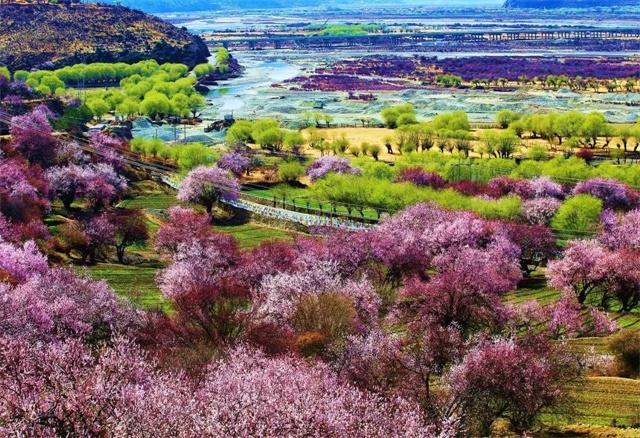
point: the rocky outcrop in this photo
(46, 35)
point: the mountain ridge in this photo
(556, 4)
(52, 36)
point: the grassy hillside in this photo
(44, 35)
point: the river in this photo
(257, 94)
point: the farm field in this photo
(603, 401)
(135, 283)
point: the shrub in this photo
(293, 141)
(377, 170)
(585, 154)
(419, 177)
(240, 132)
(325, 165)
(191, 155)
(626, 347)
(355, 150)
(374, 150)
(330, 314)
(540, 210)
(505, 117)
(393, 116)
(340, 145)
(311, 343)
(538, 153)
(579, 214)
(234, 162)
(613, 194)
(4, 72)
(291, 171)
(201, 70)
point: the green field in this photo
(289, 197)
(251, 234)
(151, 201)
(136, 283)
(605, 401)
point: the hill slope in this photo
(549, 4)
(37, 35)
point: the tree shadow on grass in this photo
(231, 216)
(535, 281)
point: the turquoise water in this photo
(253, 96)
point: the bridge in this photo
(278, 41)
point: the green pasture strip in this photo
(133, 282)
(151, 201)
(251, 234)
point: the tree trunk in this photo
(209, 208)
(120, 252)
(67, 201)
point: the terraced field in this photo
(606, 401)
(135, 282)
(151, 201)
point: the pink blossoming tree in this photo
(208, 185)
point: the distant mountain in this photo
(37, 35)
(157, 6)
(553, 4)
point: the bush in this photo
(579, 214)
(291, 171)
(355, 150)
(398, 115)
(201, 70)
(340, 145)
(293, 141)
(374, 150)
(538, 153)
(419, 177)
(191, 155)
(330, 314)
(377, 170)
(626, 347)
(585, 154)
(504, 118)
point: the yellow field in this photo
(357, 136)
